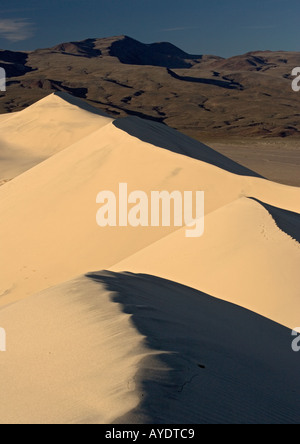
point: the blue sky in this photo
(220, 27)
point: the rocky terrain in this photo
(204, 96)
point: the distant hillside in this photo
(201, 95)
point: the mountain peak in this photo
(129, 51)
(164, 54)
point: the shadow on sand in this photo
(213, 362)
(287, 221)
(74, 100)
(169, 139)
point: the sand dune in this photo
(31, 136)
(48, 213)
(249, 256)
(164, 137)
(67, 362)
(126, 349)
(60, 214)
(243, 258)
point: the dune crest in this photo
(71, 371)
(243, 258)
(30, 136)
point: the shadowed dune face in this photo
(132, 348)
(243, 258)
(287, 221)
(72, 100)
(171, 140)
(217, 362)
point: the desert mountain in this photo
(248, 95)
(130, 52)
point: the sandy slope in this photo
(31, 136)
(68, 359)
(126, 349)
(243, 258)
(48, 231)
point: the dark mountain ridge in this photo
(200, 95)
